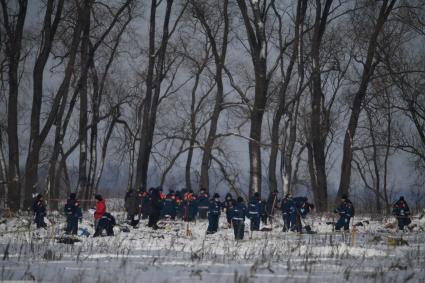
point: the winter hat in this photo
(98, 196)
(344, 197)
(257, 195)
(240, 199)
(216, 195)
(72, 195)
(402, 198)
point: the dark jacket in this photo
(254, 208)
(72, 209)
(214, 207)
(401, 209)
(345, 209)
(39, 207)
(238, 212)
(132, 203)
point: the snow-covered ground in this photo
(372, 254)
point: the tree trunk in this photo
(14, 31)
(368, 69)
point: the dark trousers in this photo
(203, 212)
(153, 220)
(104, 225)
(255, 223)
(264, 218)
(228, 217)
(212, 223)
(133, 222)
(39, 220)
(286, 222)
(403, 221)
(238, 229)
(72, 225)
(343, 222)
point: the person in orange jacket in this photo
(100, 209)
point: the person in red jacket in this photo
(100, 209)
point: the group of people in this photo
(103, 221)
(188, 206)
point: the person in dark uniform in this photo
(106, 222)
(287, 207)
(39, 209)
(229, 203)
(214, 212)
(203, 203)
(155, 206)
(345, 210)
(170, 205)
(254, 212)
(238, 213)
(73, 214)
(402, 212)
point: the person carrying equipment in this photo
(288, 212)
(73, 214)
(302, 209)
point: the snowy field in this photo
(373, 254)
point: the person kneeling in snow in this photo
(402, 212)
(106, 222)
(238, 218)
(214, 210)
(39, 209)
(73, 214)
(345, 211)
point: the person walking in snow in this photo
(100, 209)
(345, 210)
(73, 214)
(132, 206)
(214, 211)
(39, 209)
(402, 212)
(254, 212)
(238, 213)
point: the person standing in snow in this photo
(131, 203)
(214, 211)
(170, 205)
(203, 203)
(39, 209)
(100, 209)
(73, 214)
(288, 212)
(345, 210)
(229, 203)
(402, 212)
(238, 213)
(190, 206)
(155, 206)
(254, 212)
